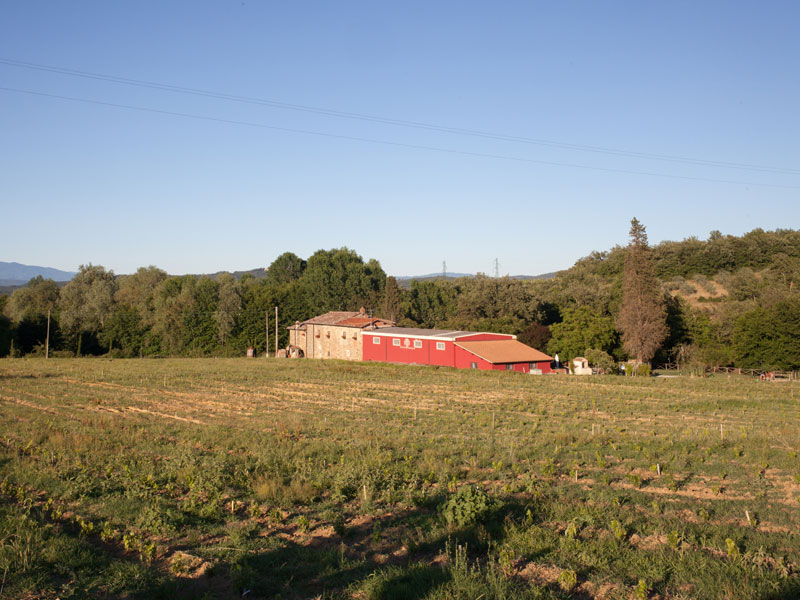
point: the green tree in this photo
(126, 331)
(199, 326)
(536, 335)
(5, 327)
(707, 342)
(286, 268)
(769, 338)
(29, 307)
(483, 297)
(581, 329)
(392, 302)
(430, 303)
(600, 360)
(36, 299)
(173, 299)
(642, 317)
(86, 302)
(229, 305)
(133, 321)
(339, 279)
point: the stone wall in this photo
(328, 341)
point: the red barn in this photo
(447, 348)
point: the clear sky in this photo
(131, 175)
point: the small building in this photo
(580, 366)
(336, 334)
(448, 348)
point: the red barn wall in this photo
(451, 356)
(465, 359)
(406, 352)
(442, 358)
(373, 351)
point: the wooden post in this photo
(266, 332)
(276, 331)
(47, 337)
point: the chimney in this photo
(363, 310)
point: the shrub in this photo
(272, 489)
(470, 504)
(600, 360)
(567, 580)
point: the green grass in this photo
(194, 478)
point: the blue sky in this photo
(212, 183)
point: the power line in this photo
(399, 122)
(395, 144)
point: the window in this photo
(473, 365)
(417, 343)
(532, 365)
(396, 342)
(440, 345)
(376, 339)
(509, 367)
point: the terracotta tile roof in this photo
(332, 318)
(362, 322)
(343, 319)
(504, 351)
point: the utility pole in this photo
(266, 333)
(276, 331)
(496, 268)
(47, 338)
(444, 269)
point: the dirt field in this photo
(207, 478)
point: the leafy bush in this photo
(567, 580)
(600, 360)
(272, 489)
(470, 504)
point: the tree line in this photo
(726, 300)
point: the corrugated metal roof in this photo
(421, 333)
(504, 351)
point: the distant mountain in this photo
(259, 273)
(404, 281)
(450, 275)
(542, 276)
(13, 274)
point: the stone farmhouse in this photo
(336, 334)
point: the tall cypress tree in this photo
(642, 319)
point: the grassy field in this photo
(205, 478)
